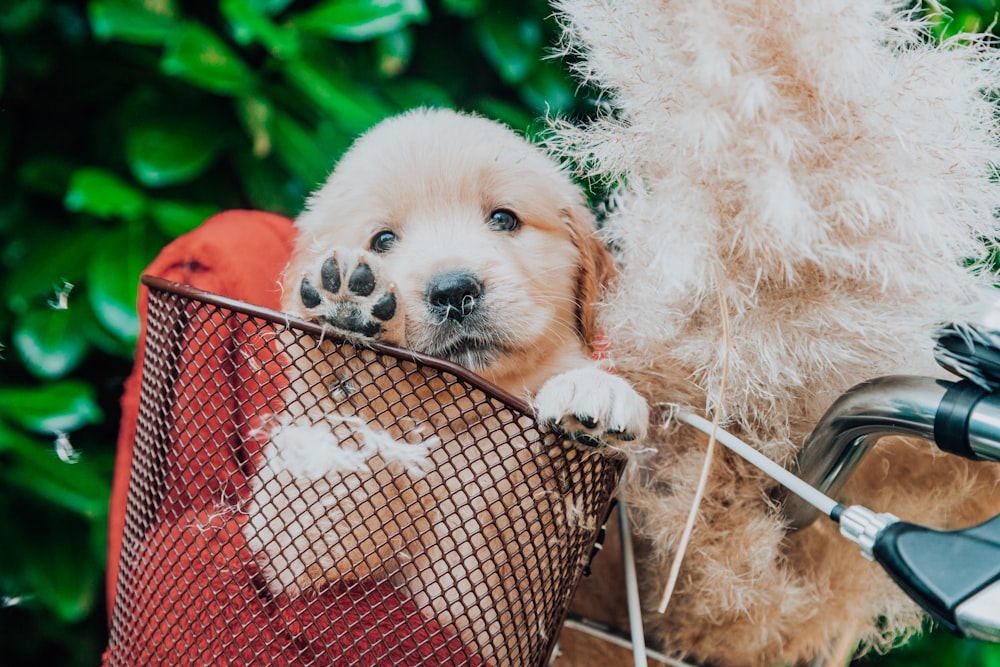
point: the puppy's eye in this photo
(383, 242)
(502, 220)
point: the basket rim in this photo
(278, 317)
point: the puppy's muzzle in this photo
(454, 295)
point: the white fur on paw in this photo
(593, 407)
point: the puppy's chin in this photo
(474, 351)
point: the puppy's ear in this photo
(596, 269)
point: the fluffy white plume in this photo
(827, 168)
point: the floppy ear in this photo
(596, 269)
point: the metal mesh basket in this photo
(299, 500)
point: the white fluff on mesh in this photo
(313, 491)
(313, 451)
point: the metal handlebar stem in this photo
(962, 418)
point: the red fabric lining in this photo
(219, 612)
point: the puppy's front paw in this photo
(593, 407)
(348, 294)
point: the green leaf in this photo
(49, 341)
(359, 20)
(44, 558)
(12, 211)
(549, 89)
(268, 187)
(55, 407)
(11, 439)
(48, 175)
(167, 150)
(34, 465)
(47, 265)
(198, 55)
(255, 114)
(113, 282)
(103, 195)
(68, 584)
(99, 540)
(251, 23)
(175, 218)
(349, 104)
(505, 112)
(511, 43)
(149, 23)
(394, 52)
(99, 337)
(20, 15)
(408, 92)
(299, 151)
(938, 647)
(270, 7)
(464, 8)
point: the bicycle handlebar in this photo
(958, 416)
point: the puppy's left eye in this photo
(502, 220)
(383, 242)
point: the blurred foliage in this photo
(955, 17)
(123, 124)
(938, 649)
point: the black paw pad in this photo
(330, 275)
(309, 294)
(362, 281)
(385, 307)
(587, 440)
(349, 318)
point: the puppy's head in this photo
(489, 245)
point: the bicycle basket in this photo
(299, 500)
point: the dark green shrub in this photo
(124, 123)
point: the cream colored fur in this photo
(827, 170)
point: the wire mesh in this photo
(299, 500)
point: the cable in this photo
(817, 499)
(953, 575)
(632, 590)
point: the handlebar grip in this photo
(951, 423)
(954, 575)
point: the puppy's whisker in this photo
(442, 319)
(468, 304)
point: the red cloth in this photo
(202, 600)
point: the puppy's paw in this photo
(593, 407)
(347, 292)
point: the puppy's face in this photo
(482, 240)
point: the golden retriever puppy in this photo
(450, 235)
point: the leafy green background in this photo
(124, 123)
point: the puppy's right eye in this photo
(383, 242)
(502, 220)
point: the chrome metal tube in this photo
(984, 428)
(901, 405)
(892, 405)
(979, 616)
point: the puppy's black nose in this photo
(454, 295)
